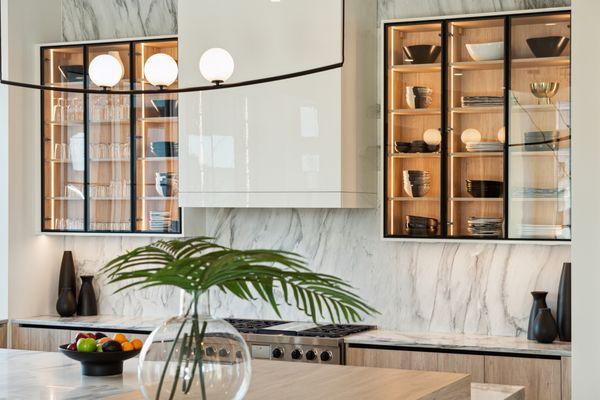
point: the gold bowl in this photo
(544, 91)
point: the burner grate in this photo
(335, 331)
(251, 325)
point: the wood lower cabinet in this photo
(3, 336)
(38, 339)
(543, 378)
(48, 339)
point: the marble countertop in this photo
(37, 375)
(497, 344)
(98, 322)
(492, 344)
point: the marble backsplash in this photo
(443, 287)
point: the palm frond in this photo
(198, 264)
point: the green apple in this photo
(87, 345)
(99, 348)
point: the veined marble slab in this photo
(98, 322)
(114, 19)
(492, 344)
(392, 9)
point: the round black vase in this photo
(539, 302)
(66, 306)
(67, 278)
(544, 326)
(563, 310)
(87, 306)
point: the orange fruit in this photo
(103, 340)
(127, 346)
(137, 344)
(119, 337)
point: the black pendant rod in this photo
(182, 90)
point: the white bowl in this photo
(486, 51)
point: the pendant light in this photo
(161, 70)
(216, 65)
(106, 71)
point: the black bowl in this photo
(166, 108)
(422, 53)
(99, 364)
(548, 46)
(72, 73)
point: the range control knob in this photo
(311, 355)
(277, 352)
(224, 353)
(326, 356)
(238, 354)
(210, 351)
(297, 354)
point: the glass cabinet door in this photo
(413, 181)
(539, 140)
(63, 141)
(475, 121)
(109, 150)
(156, 149)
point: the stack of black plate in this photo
(417, 183)
(421, 226)
(402, 147)
(416, 146)
(487, 189)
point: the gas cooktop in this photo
(302, 329)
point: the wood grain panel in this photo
(4, 336)
(413, 360)
(565, 370)
(473, 365)
(541, 377)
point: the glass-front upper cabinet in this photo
(63, 172)
(109, 149)
(110, 162)
(540, 133)
(475, 127)
(413, 138)
(157, 147)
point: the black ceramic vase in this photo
(66, 306)
(67, 278)
(539, 302)
(87, 306)
(544, 326)
(563, 310)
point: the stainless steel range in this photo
(296, 341)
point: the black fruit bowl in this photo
(166, 108)
(99, 364)
(422, 53)
(548, 46)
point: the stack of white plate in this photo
(485, 146)
(481, 226)
(160, 221)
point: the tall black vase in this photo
(563, 310)
(87, 306)
(67, 278)
(539, 302)
(544, 326)
(66, 306)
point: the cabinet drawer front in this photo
(541, 377)
(412, 360)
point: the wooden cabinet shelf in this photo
(488, 101)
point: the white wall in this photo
(586, 199)
(31, 258)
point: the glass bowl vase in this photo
(195, 357)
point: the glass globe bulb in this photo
(161, 70)
(216, 65)
(106, 71)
